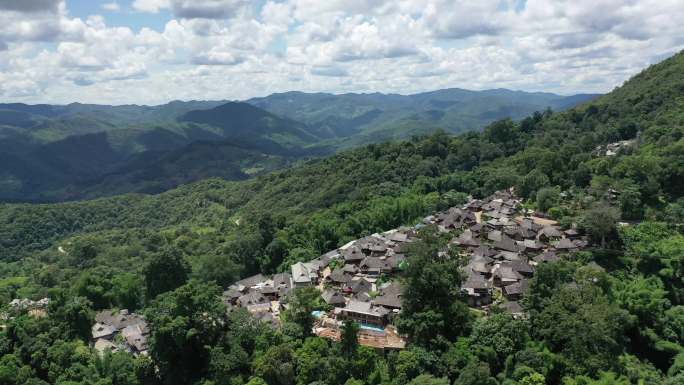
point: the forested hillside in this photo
(350, 120)
(79, 151)
(609, 315)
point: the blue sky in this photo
(153, 51)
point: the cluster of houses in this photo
(503, 248)
(120, 330)
(358, 280)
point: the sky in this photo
(155, 51)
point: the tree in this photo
(532, 182)
(350, 342)
(74, 315)
(579, 323)
(276, 366)
(218, 268)
(476, 373)
(501, 333)
(303, 302)
(432, 309)
(185, 322)
(165, 271)
(127, 291)
(600, 221)
(429, 379)
(532, 379)
(547, 197)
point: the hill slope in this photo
(145, 153)
(351, 119)
(55, 153)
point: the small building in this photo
(333, 297)
(303, 274)
(364, 313)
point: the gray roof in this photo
(506, 244)
(549, 256)
(353, 253)
(565, 244)
(390, 296)
(339, 276)
(360, 285)
(252, 298)
(282, 279)
(332, 297)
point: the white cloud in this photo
(152, 6)
(111, 7)
(335, 45)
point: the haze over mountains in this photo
(54, 153)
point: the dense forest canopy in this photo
(614, 167)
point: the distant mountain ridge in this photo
(76, 151)
(347, 120)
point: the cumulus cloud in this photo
(334, 45)
(111, 7)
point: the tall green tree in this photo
(165, 271)
(185, 323)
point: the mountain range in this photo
(77, 151)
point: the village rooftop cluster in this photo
(361, 281)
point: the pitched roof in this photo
(390, 296)
(338, 276)
(565, 244)
(548, 256)
(476, 281)
(252, 298)
(506, 244)
(332, 297)
(549, 232)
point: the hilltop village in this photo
(361, 281)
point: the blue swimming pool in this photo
(373, 328)
(318, 313)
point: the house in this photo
(338, 277)
(333, 297)
(358, 286)
(362, 296)
(521, 267)
(252, 298)
(353, 254)
(495, 236)
(571, 233)
(373, 266)
(245, 284)
(136, 337)
(103, 331)
(565, 244)
(506, 244)
(304, 274)
(231, 296)
(390, 296)
(351, 269)
(364, 313)
(484, 251)
(395, 261)
(545, 257)
(504, 275)
(548, 233)
(515, 291)
(478, 290)
(530, 245)
(282, 280)
(466, 240)
(130, 326)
